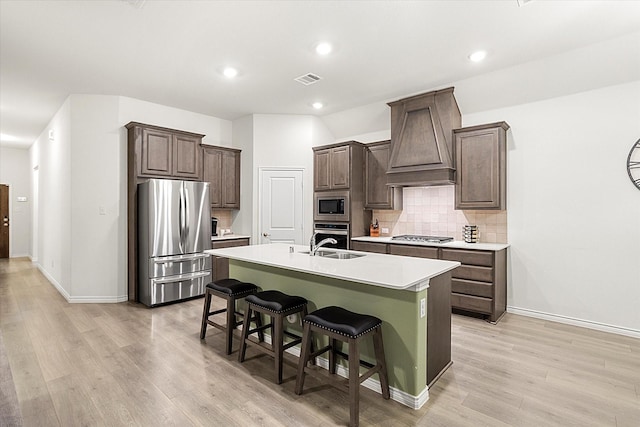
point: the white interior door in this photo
(281, 206)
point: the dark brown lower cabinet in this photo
(220, 265)
(438, 327)
(478, 286)
(378, 248)
(415, 251)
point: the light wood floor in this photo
(124, 364)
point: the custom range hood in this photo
(422, 139)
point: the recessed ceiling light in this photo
(230, 72)
(317, 105)
(478, 55)
(323, 48)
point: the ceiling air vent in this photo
(307, 79)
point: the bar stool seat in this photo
(344, 325)
(343, 322)
(230, 290)
(233, 287)
(277, 305)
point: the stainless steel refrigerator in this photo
(174, 227)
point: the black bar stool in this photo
(347, 326)
(277, 305)
(230, 290)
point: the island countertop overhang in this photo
(389, 271)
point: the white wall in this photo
(367, 123)
(96, 255)
(14, 172)
(287, 141)
(243, 222)
(573, 213)
(53, 160)
(217, 131)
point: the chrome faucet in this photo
(313, 247)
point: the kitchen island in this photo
(410, 295)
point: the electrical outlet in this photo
(385, 230)
(423, 307)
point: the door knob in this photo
(265, 234)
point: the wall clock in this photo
(633, 164)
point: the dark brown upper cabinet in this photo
(332, 168)
(481, 160)
(377, 194)
(187, 156)
(221, 169)
(165, 153)
(421, 140)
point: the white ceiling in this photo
(172, 52)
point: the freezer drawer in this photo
(178, 264)
(162, 290)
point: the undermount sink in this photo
(340, 255)
(334, 255)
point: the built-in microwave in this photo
(331, 206)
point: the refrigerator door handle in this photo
(181, 277)
(181, 219)
(180, 258)
(187, 218)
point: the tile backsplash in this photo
(430, 211)
(225, 219)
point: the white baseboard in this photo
(414, 402)
(97, 300)
(575, 322)
(80, 299)
(54, 282)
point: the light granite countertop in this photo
(229, 237)
(453, 245)
(389, 271)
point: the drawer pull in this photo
(182, 277)
(180, 258)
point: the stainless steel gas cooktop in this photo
(429, 239)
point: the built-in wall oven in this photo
(331, 206)
(338, 231)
